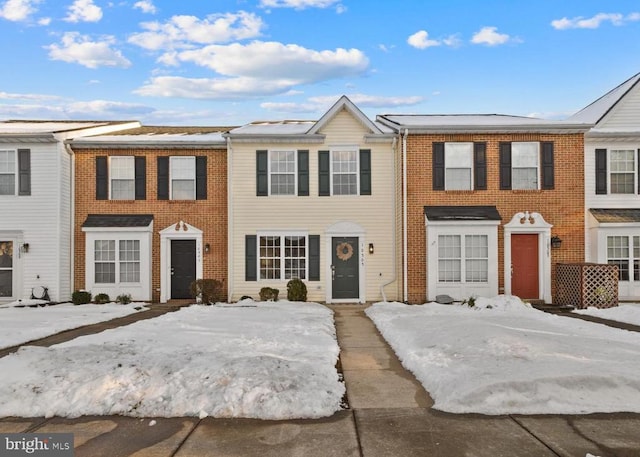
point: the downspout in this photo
(72, 218)
(405, 235)
(394, 276)
(230, 259)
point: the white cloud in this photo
(146, 6)
(44, 21)
(65, 109)
(18, 10)
(80, 49)
(321, 103)
(183, 31)
(490, 37)
(341, 9)
(595, 21)
(300, 4)
(30, 97)
(105, 109)
(421, 40)
(84, 11)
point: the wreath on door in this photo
(344, 251)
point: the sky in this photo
(230, 62)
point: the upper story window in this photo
(122, 177)
(344, 172)
(282, 172)
(183, 178)
(15, 172)
(524, 164)
(623, 171)
(527, 165)
(459, 166)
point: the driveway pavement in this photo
(389, 415)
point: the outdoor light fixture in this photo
(370, 248)
(25, 247)
(556, 242)
(207, 248)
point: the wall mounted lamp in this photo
(207, 248)
(370, 248)
(556, 242)
(25, 247)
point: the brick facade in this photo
(208, 215)
(563, 206)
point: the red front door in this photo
(524, 266)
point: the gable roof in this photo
(346, 104)
(596, 111)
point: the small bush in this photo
(123, 299)
(81, 297)
(296, 290)
(208, 291)
(101, 299)
(470, 302)
(268, 293)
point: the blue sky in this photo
(198, 62)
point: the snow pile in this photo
(271, 361)
(20, 325)
(502, 357)
(628, 313)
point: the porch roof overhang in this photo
(616, 215)
(102, 221)
(461, 213)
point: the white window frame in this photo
(462, 258)
(117, 261)
(514, 183)
(282, 257)
(452, 163)
(294, 172)
(610, 171)
(114, 174)
(13, 152)
(632, 259)
(332, 154)
(173, 175)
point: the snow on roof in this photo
(39, 127)
(463, 120)
(159, 134)
(284, 127)
(594, 112)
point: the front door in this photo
(344, 268)
(524, 266)
(6, 269)
(183, 267)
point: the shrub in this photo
(296, 290)
(268, 293)
(101, 299)
(208, 291)
(81, 297)
(123, 299)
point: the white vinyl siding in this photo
(182, 177)
(458, 164)
(525, 159)
(122, 177)
(8, 172)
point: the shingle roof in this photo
(462, 213)
(616, 215)
(595, 111)
(118, 220)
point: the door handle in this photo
(172, 271)
(333, 272)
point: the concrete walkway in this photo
(389, 415)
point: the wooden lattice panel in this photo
(586, 284)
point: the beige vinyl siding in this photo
(625, 114)
(314, 214)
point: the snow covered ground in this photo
(19, 325)
(259, 360)
(626, 312)
(503, 357)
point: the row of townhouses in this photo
(403, 207)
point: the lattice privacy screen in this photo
(586, 284)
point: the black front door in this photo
(345, 271)
(183, 267)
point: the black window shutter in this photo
(480, 166)
(24, 171)
(547, 165)
(141, 178)
(201, 177)
(438, 166)
(262, 173)
(365, 171)
(250, 258)
(303, 173)
(324, 178)
(102, 178)
(505, 166)
(601, 171)
(163, 178)
(314, 257)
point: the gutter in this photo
(394, 276)
(72, 215)
(230, 219)
(405, 236)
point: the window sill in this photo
(526, 191)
